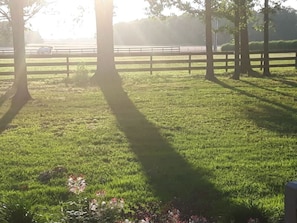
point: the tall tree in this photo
(237, 12)
(105, 46)
(208, 33)
(20, 69)
(266, 70)
(196, 8)
(244, 39)
(17, 12)
(236, 73)
(30, 8)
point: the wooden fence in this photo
(89, 50)
(143, 62)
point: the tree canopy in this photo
(31, 8)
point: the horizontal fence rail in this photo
(82, 50)
(142, 62)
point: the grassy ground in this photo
(224, 148)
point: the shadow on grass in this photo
(170, 176)
(9, 93)
(10, 115)
(273, 119)
(287, 82)
(276, 116)
(272, 115)
(167, 172)
(267, 89)
(3, 98)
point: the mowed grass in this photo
(220, 149)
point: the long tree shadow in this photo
(248, 94)
(274, 119)
(274, 116)
(169, 174)
(287, 82)
(266, 88)
(10, 115)
(8, 93)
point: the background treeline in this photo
(273, 45)
(181, 30)
(6, 35)
(187, 30)
(174, 30)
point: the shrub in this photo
(13, 211)
(258, 45)
(227, 47)
(85, 210)
(81, 77)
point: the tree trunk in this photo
(208, 30)
(244, 37)
(22, 94)
(236, 42)
(266, 70)
(245, 51)
(105, 45)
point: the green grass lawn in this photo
(220, 149)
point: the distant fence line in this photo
(89, 50)
(143, 62)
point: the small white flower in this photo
(93, 205)
(76, 184)
(121, 203)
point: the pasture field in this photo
(223, 149)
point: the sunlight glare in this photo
(76, 18)
(129, 10)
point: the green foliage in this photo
(273, 45)
(190, 30)
(81, 77)
(257, 45)
(79, 212)
(2, 213)
(174, 30)
(5, 34)
(254, 212)
(16, 211)
(89, 210)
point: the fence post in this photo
(226, 61)
(190, 63)
(296, 60)
(151, 63)
(261, 62)
(291, 202)
(67, 64)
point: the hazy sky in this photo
(292, 3)
(61, 25)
